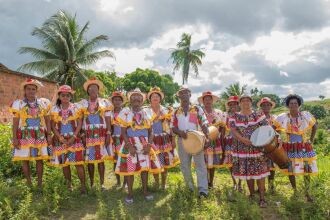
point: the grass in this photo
(55, 202)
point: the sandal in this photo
(149, 197)
(129, 201)
(262, 203)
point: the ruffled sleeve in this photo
(123, 117)
(54, 113)
(309, 118)
(202, 120)
(45, 105)
(15, 108)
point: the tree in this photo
(184, 58)
(65, 49)
(321, 97)
(146, 79)
(234, 90)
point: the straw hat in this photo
(155, 90)
(245, 96)
(65, 88)
(117, 94)
(136, 91)
(208, 93)
(182, 88)
(93, 81)
(30, 81)
(232, 99)
(264, 100)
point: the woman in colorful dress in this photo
(163, 145)
(213, 153)
(117, 99)
(68, 149)
(136, 156)
(96, 113)
(31, 129)
(297, 125)
(232, 106)
(249, 162)
(266, 105)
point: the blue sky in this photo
(278, 46)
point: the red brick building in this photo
(10, 89)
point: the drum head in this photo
(262, 136)
(194, 142)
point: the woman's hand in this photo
(132, 150)
(246, 141)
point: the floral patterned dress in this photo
(31, 132)
(249, 162)
(213, 153)
(66, 123)
(137, 124)
(94, 127)
(296, 143)
(163, 138)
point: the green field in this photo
(56, 202)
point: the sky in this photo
(278, 46)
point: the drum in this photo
(194, 143)
(213, 133)
(265, 137)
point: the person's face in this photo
(65, 97)
(184, 96)
(155, 99)
(245, 103)
(208, 101)
(117, 101)
(293, 105)
(93, 90)
(136, 100)
(30, 91)
(266, 107)
(233, 106)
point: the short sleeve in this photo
(122, 117)
(15, 108)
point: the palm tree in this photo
(234, 89)
(65, 49)
(183, 57)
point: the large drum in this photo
(265, 137)
(194, 143)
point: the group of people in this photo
(141, 139)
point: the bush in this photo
(7, 167)
(318, 111)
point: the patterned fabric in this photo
(194, 120)
(65, 123)
(248, 162)
(117, 138)
(31, 132)
(137, 124)
(94, 127)
(162, 137)
(271, 121)
(213, 154)
(296, 143)
(228, 143)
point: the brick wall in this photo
(10, 89)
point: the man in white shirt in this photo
(190, 117)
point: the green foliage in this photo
(7, 168)
(324, 123)
(234, 90)
(146, 79)
(321, 137)
(65, 49)
(318, 111)
(184, 58)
